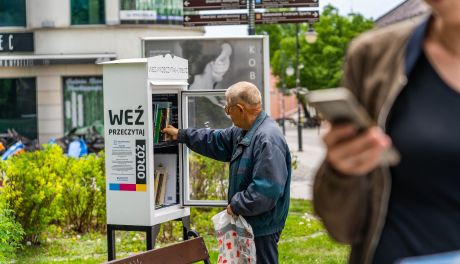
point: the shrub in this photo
(32, 188)
(83, 193)
(11, 232)
(210, 178)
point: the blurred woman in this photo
(408, 78)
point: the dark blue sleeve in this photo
(269, 178)
(216, 144)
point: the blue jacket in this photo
(260, 169)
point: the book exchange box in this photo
(150, 178)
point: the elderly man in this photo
(260, 165)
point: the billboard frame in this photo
(265, 89)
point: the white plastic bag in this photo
(235, 238)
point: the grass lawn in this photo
(303, 241)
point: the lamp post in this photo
(251, 18)
(283, 89)
(310, 37)
(297, 84)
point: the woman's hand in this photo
(355, 154)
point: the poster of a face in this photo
(216, 63)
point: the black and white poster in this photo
(217, 63)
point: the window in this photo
(87, 12)
(18, 106)
(83, 103)
(12, 13)
(151, 11)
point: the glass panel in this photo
(151, 11)
(18, 106)
(83, 103)
(86, 12)
(207, 178)
(12, 13)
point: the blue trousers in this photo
(267, 248)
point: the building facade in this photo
(281, 105)
(411, 10)
(50, 81)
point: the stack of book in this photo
(161, 175)
(161, 118)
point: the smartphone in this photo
(340, 106)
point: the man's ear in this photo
(240, 107)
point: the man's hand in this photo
(229, 210)
(355, 154)
(171, 131)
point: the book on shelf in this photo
(161, 118)
(161, 176)
(169, 163)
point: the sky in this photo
(369, 8)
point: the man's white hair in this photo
(243, 92)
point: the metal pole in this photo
(283, 87)
(251, 18)
(111, 243)
(297, 83)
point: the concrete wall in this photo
(53, 33)
(124, 40)
(276, 101)
(48, 13)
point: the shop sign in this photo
(17, 42)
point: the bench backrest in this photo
(188, 251)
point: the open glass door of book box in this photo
(201, 181)
(205, 181)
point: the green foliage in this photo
(83, 193)
(210, 178)
(33, 187)
(201, 219)
(11, 232)
(323, 59)
(47, 187)
(303, 240)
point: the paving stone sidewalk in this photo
(308, 160)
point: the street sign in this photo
(215, 20)
(287, 17)
(197, 5)
(242, 19)
(286, 3)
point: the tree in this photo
(323, 59)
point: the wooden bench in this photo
(188, 251)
